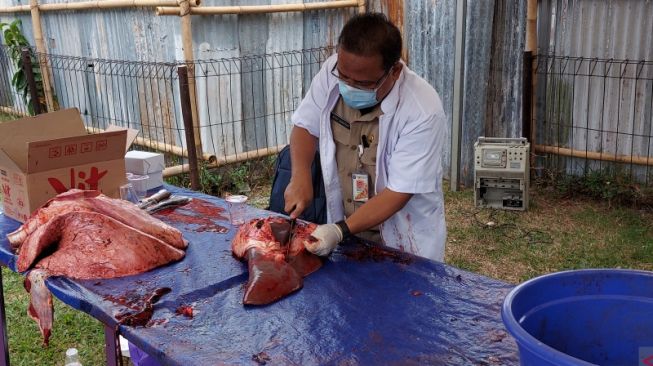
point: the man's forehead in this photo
(352, 59)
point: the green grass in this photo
(72, 328)
(7, 117)
(555, 234)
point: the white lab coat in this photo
(411, 137)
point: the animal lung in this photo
(92, 245)
(276, 265)
(86, 235)
(40, 302)
(93, 201)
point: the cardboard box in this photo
(144, 162)
(45, 155)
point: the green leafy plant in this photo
(16, 41)
(243, 177)
(610, 185)
(239, 177)
(210, 180)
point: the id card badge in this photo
(360, 182)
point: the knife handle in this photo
(157, 197)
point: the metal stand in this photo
(4, 351)
(111, 345)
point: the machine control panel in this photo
(501, 172)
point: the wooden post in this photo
(531, 26)
(527, 105)
(42, 51)
(531, 49)
(361, 6)
(527, 95)
(458, 94)
(187, 44)
(184, 93)
(31, 83)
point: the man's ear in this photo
(396, 70)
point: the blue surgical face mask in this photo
(357, 98)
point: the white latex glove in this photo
(328, 236)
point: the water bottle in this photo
(72, 357)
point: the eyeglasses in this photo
(363, 85)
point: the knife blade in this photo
(292, 234)
(171, 202)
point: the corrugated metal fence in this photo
(594, 105)
(141, 91)
(244, 103)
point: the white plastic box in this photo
(146, 163)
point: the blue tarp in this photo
(361, 307)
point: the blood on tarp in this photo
(129, 300)
(142, 315)
(185, 310)
(261, 358)
(197, 212)
(369, 252)
(155, 322)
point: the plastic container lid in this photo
(136, 178)
(236, 199)
(71, 352)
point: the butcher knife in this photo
(157, 197)
(171, 202)
(292, 233)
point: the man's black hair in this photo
(370, 34)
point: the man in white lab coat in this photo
(380, 130)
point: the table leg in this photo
(111, 345)
(4, 347)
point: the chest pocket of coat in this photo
(369, 155)
(340, 134)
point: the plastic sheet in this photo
(365, 306)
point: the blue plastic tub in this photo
(584, 317)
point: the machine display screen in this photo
(494, 158)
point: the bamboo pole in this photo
(259, 9)
(531, 46)
(9, 110)
(187, 43)
(113, 4)
(229, 159)
(630, 159)
(98, 4)
(156, 145)
(361, 6)
(40, 48)
(15, 9)
(531, 26)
